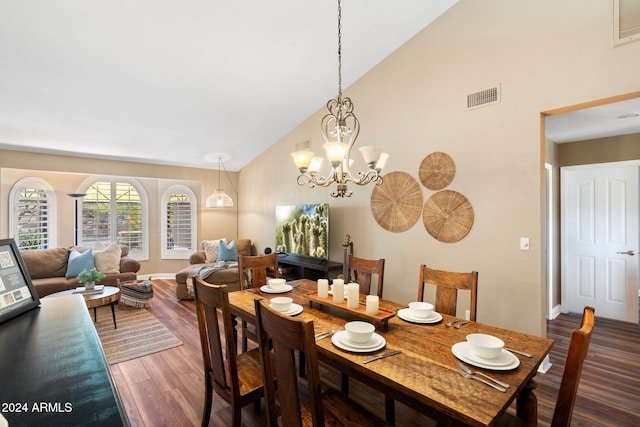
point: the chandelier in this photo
(340, 129)
(220, 199)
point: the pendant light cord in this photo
(221, 167)
(339, 49)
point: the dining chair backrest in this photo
(447, 285)
(214, 322)
(254, 273)
(287, 335)
(362, 270)
(254, 270)
(578, 348)
(280, 337)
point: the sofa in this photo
(205, 260)
(48, 268)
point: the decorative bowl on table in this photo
(485, 346)
(359, 332)
(281, 304)
(421, 310)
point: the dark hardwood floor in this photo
(166, 388)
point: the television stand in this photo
(295, 267)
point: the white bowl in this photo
(359, 332)
(485, 346)
(276, 284)
(281, 304)
(420, 309)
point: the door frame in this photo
(551, 254)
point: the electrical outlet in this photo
(467, 315)
(524, 243)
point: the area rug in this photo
(139, 333)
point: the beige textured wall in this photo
(65, 174)
(545, 54)
(601, 150)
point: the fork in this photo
(472, 372)
(453, 322)
(490, 384)
(322, 335)
(461, 324)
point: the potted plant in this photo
(88, 277)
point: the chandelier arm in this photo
(362, 178)
(316, 181)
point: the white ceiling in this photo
(618, 118)
(169, 82)
(180, 82)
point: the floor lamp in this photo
(76, 197)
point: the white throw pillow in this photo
(210, 248)
(107, 259)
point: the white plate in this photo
(268, 289)
(372, 343)
(376, 343)
(293, 310)
(504, 362)
(405, 314)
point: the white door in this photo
(600, 240)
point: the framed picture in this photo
(626, 21)
(17, 294)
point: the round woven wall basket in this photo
(447, 216)
(437, 170)
(397, 202)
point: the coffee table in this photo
(109, 295)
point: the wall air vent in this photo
(303, 145)
(483, 98)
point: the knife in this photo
(382, 356)
(519, 352)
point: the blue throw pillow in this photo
(227, 252)
(78, 261)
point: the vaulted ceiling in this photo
(180, 82)
(185, 82)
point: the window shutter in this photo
(179, 222)
(33, 219)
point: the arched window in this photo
(115, 210)
(33, 219)
(178, 222)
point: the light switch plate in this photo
(524, 243)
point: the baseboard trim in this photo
(555, 312)
(157, 276)
(545, 365)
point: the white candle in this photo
(338, 291)
(353, 295)
(323, 288)
(372, 304)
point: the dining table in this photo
(424, 375)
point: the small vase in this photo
(89, 285)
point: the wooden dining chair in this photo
(361, 270)
(578, 348)
(280, 337)
(254, 273)
(447, 285)
(238, 380)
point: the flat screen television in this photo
(303, 230)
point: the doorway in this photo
(596, 141)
